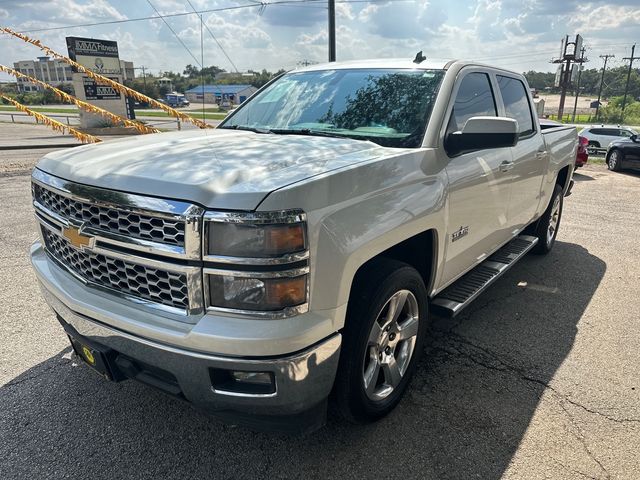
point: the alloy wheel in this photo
(391, 345)
(553, 220)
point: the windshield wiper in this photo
(248, 129)
(309, 132)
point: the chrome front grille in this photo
(160, 286)
(112, 220)
(146, 250)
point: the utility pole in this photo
(604, 69)
(568, 57)
(332, 30)
(575, 104)
(144, 79)
(626, 88)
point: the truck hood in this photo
(224, 169)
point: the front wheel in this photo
(614, 162)
(383, 339)
(547, 227)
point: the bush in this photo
(612, 113)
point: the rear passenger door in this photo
(529, 155)
(478, 185)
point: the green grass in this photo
(580, 118)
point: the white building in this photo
(54, 72)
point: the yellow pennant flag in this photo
(54, 124)
(83, 105)
(107, 81)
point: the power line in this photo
(175, 34)
(214, 38)
(200, 12)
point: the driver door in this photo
(479, 183)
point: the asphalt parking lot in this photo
(540, 378)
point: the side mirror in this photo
(480, 133)
(634, 138)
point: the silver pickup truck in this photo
(297, 252)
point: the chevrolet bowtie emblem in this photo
(77, 239)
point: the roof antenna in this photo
(419, 57)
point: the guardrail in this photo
(67, 118)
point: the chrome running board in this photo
(452, 300)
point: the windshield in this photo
(388, 107)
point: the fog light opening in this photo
(242, 382)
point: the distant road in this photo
(72, 118)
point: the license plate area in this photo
(99, 358)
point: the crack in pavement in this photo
(457, 345)
(583, 441)
(504, 366)
(569, 469)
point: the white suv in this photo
(600, 136)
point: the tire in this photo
(548, 225)
(592, 147)
(614, 160)
(373, 355)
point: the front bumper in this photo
(303, 380)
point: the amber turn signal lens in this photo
(286, 291)
(284, 238)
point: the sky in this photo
(517, 34)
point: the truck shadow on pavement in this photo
(474, 395)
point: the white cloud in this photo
(519, 34)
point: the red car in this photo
(582, 155)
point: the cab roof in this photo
(392, 63)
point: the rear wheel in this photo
(383, 340)
(614, 161)
(547, 227)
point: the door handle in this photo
(541, 153)
(506, 166)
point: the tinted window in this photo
(474, 99)
(516, 103)
(610, 132)
(625, 133)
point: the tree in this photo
(397, 101)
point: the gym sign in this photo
(99, 56)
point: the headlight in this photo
(256, 235)
(257, 262)
(257, 294)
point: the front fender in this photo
(356, 213)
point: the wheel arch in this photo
(419, 251)
(564, 177)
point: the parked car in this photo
(582, 154)
(301, 247)
(624, 153)
(600, 136)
